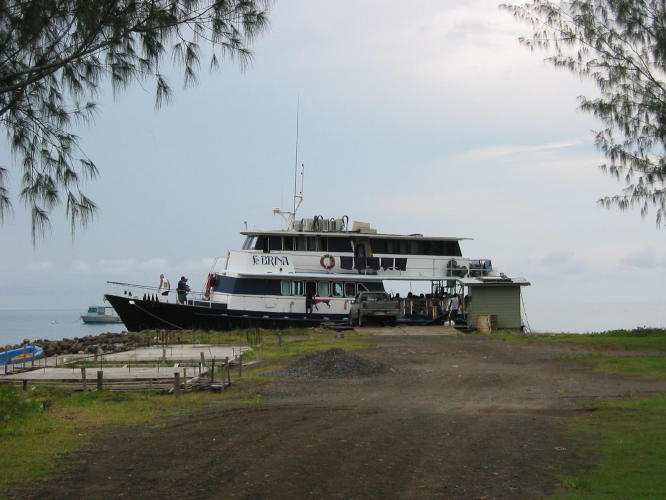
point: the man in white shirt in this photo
(163, 289)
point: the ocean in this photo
(56, 324)
(17, 325)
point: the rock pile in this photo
(107, 342)
(333, 363)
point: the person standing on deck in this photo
(182, 290)
(454, 305)
(163, 288)
(309, 301)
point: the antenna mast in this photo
(290, 217)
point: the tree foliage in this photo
(621, 45)
(56, 55)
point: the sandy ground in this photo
(453, 417)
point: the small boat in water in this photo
(100, 314)
(21, 355)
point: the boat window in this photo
(314, 244)
(324, 289)
(416, 247)
(288, 243)
(378, 246)
(285, 287)
(404, 246)
(362, 288)
(338, 289)
(92, 310)
(311, 288)
(453, 249)
(432, 247)
(275, 243)
(391, 246)
(374, 287)
(350, 289)
(300, 243)
(250, 241)
(297, 288)
(259, 242)
(338, 245)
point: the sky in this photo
(427, 117)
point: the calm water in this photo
(16, 325)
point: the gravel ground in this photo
(333, 363)
(452, 418)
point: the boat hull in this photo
(21, 355)
(139, 315)
(99, 320)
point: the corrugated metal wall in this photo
(502, 301)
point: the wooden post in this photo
(184, 379)
(83, 379)
(228, 373)
(100, 380)
(212, 371)
(176, 384)
(240, 364)
(25, 385)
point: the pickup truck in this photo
(374, 306)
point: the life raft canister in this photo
(327, 261)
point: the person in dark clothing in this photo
(182, 290)
(309, 301)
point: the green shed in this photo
(498, 297)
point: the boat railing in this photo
(154, 293)
(459, 267)
(430, 308)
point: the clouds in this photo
(425, 117)
(645, 258)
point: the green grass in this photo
(646, 367)
(639, 339)
(63, 422)
(629, 452)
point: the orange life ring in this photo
(327, 261)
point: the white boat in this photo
(100, 314)
(324, 261)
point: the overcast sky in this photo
(425, 117)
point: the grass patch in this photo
(640, 339)
(647, 367)
(65, 421)
(630, 450)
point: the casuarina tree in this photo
(56, 55)
(621, 46)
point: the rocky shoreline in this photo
(90, 344)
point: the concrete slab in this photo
(187, 352)
(127, 373)
(408, 330)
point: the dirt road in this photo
(452, 417)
